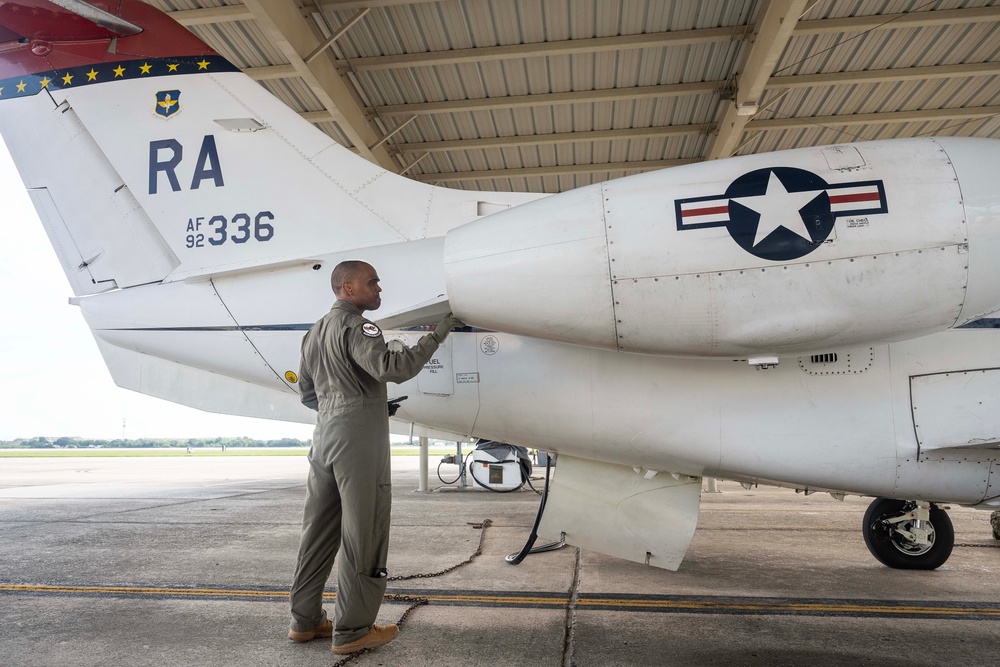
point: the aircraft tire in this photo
(890, 549)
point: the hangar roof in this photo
(550, 95)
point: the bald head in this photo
(346, 272)
(357, 282)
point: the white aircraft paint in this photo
(614, 323)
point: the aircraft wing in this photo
(428, 312)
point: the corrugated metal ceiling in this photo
(548, 95)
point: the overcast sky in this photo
(54, 381)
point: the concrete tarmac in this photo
(186, 562)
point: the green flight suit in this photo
(344, 369)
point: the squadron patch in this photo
(370, 330)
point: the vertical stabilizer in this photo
(153, 159)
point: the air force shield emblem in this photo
(167, 103)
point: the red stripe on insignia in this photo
(863, 196)
(704, 211)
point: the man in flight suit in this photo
(344, 369)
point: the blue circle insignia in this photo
(779, 213)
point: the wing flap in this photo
(614, 510)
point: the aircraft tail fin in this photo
(150, 158)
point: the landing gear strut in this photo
(908, 535)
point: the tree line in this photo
(193, 443)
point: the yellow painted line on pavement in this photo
(779, 607)
(498, 600)
(250, 593)
(142, 590)
(559, 600)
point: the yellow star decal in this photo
(145, 67)
(119, 71)
(21, 85)
(203, 64)
(68, 79)
(92, 75)
(45, 81)
(172, 67)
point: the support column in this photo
(424, 453)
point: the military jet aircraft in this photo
(817, 318)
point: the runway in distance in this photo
(816, 318)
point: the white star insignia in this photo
(778, 208)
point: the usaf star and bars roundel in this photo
(780, 213)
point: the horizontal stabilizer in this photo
(199, 388)
(428, 312)
(642, 516)
(116, 25)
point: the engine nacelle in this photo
(780, 253)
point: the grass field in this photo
(233, 451)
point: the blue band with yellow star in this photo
(74, 77)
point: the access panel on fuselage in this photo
(956, 409)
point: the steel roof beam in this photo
(784, 82)
(549, 99)
(884, 75)
(562, 170)
(919, 116)
(899, 21)
(555, 138)
(340, 32)
(324, 116)
(271, 72)
(541, 49)
(190, 17)
(670, 38)
(343, 5)
(290, 32)
(612, 94)
(772, 32)
(883, 118)
(780, 82)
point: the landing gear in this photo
(908, 535)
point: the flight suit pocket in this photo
(373, 590)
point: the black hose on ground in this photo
(515, 559)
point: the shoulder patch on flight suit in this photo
(370, 330)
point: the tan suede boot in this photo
(377, 636)
(324, 629)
